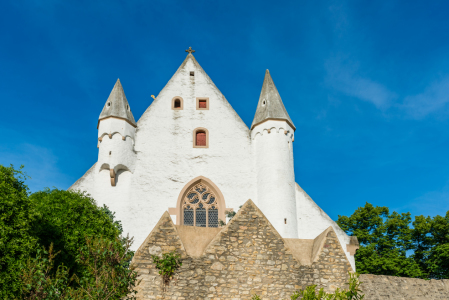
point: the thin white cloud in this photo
(434, 99)
(345, 79)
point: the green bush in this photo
(86, 254)
(66, 218)
(167, 265)
(16, 241)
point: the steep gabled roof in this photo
(270, 104)
(179, 83)
(117, 106)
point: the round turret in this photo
(116, 132)
(272, 136)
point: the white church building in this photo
(192, 155)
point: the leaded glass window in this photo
(201, 217)
(188, 216)
(200, 207)
(213, 217)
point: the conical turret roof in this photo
(117, 106)
(270, 106)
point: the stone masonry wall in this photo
(246, 257)
(378, 287)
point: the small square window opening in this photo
(202, 103)
(192, 73)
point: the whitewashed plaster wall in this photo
(114, 125)
(273, 162)
(166, 159)
(116, 153)
(312, 221)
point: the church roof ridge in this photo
(117, 105)
(270, 104)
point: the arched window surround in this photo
(194, 137)
(173, 103)
(218, 196)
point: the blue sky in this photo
(365, 82)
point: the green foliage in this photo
(310, 292)
(438, 261)
(167, 265)
(353, 292)
(230, 213)
(86, 253)
(37, 279)
(105, 276)
(66, 218)
(387, 238)
(16, 241)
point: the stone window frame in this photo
(173, 103)
(221, 204)
(198, 202)
(194, 137)
(198, 103)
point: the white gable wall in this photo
(167, 160)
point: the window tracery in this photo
(200, 207)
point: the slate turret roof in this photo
(270, 106)
(117, 106)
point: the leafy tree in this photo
(106, 275)
(65, 219)
(384, 241)
(431, 240)
(37, 279)
(16, 242)
(391, 244)
(86, 252)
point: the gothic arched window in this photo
(200, 207)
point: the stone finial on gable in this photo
(190, 50)
(353, 245)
